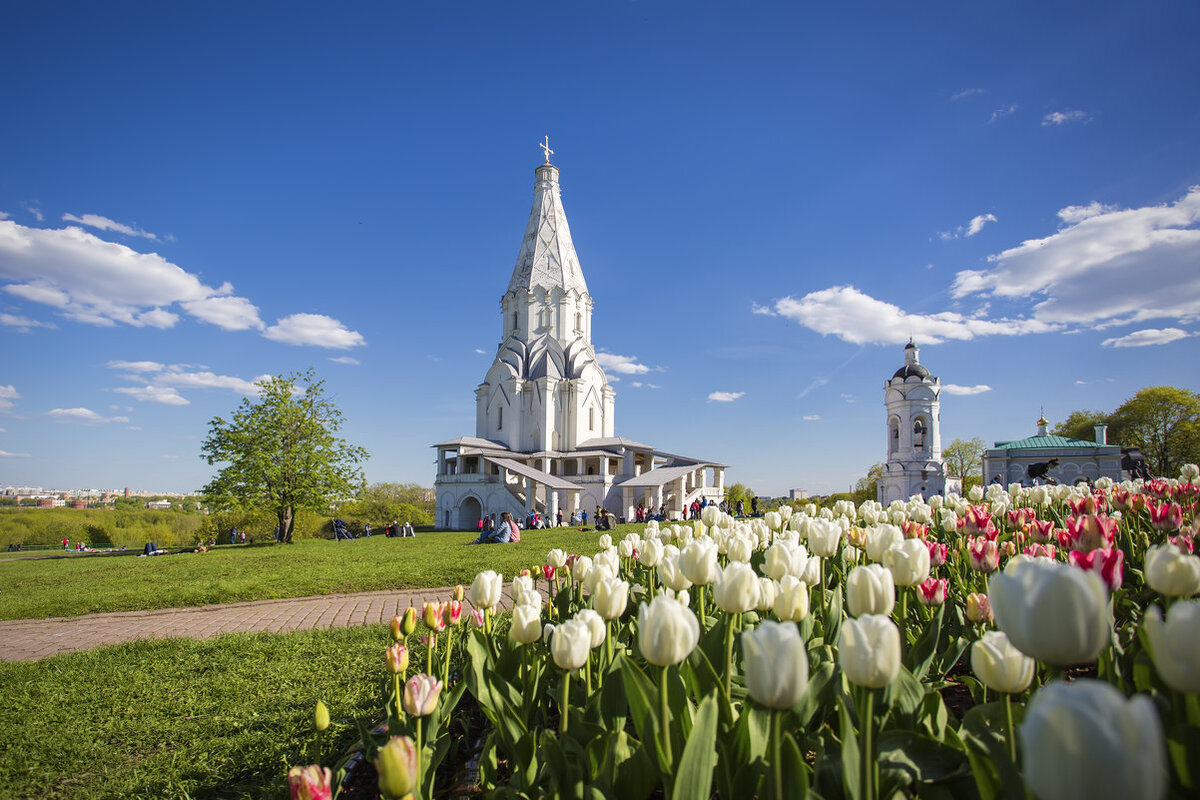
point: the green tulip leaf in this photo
(694, 777)
(819, 694)
(850, 754)
(925, 647)
(795, 771)
(905, 694)
(1183, 746)
(643, 707)
(921, 758)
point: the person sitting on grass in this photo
(502, 534)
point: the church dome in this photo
(911, 371)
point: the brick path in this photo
(31, 639)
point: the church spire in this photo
(547, 258)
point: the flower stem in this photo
(564, 703)
(664, 712)
(776, 754)
(729, 620)
(867, 757)
(420, 748)
(1008, 728)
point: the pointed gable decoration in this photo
(547, 259)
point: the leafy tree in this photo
(1080, 425)
(964, 457)
(737, 492)
(381, 503)
(282, 452)
(1165, 423)
(867, 486)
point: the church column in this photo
(530, 495)
(720, 471)
(627, 502)
(680, 493)
(551, 506)
(658, 497)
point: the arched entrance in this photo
(469, 514)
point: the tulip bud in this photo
(699, 561)
(740, 548)
(1084, 739)
(321, 716)
(775, 664)
(767, 589)
(668, 631)
(605, 541)
(595, 625)
(710, 515)
(570, 644)
(421, 695)
(984, 555)
(979, 608)
(908, 561)
(736, 590)
(396, 763)
(397, 659)
(432, 614)
(1169, 572)
(459, 593)
(397, 627)
(477, 618)
(526, 623)
(1173, 644)
(313, 782)
(452, 611)
(1077, 633)
(879, 538)
(670, 574)
(409, 623)
(486, 588)
(870, 589)
(999, 665)
(932, 591)
(824, 538)
(556, 558)
(869, 651)
(791, 599)
(650, 553)
(580, 569)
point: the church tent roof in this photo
(473, 441)
(526, 471)
(1037, 442)
(657, 477)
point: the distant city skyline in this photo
(767, 201)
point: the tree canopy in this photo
(282, 452)
(964, 458)
(381, 503)
(867, 486)
(1080, 425)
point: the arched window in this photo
(499, 418)
(893, 435)
(514, 325)
(578, 322)
(919, 435)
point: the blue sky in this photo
(767, 199)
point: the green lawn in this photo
(76, 585)
(220, 718)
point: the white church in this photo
(544, 432)
(914, 434)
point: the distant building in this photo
(914, 434)
(1078, 459)
(78, 505)
(159, 505)
(797, 494)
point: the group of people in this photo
(502, 532)
(393, 529)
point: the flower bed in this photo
(813, 651)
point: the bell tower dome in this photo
(914, 440)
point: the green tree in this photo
(867, 486)
(381, 503)
(282, 452)
(1164, 422)
(964, 458)
(738, 491)
(1080, 425)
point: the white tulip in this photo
(595, 624)
(775, 663)
(1171, 572)
(869, 651)
(740, 548)
(556, 558)
(610, 597)
(879, 538)
(668, 631)
(1176, 644)
(486, 589)
(824, 537)
(526, 624)
(784, 558)
(650, 552)
(767, 590)
(1080, 626)
(999, 665)
(908, 561)
(870, 590)
(736, 589)
(570, 644)
(670, 574)
(791, 599)
(699, 561)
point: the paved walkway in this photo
(31, 639)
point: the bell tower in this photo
(914, 439)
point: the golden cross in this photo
(546, 147)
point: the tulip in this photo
(983, 554)
(824, 538)
(570, 644)
(736, 590)
(595, 626)
(785, 557)
(610, 597)
(580, 569)
(1104, 562)
(459, 593)
(1085, 739)
(670, 574)
(999, 665)
(1165, 516)
(397, 627)
(608, 558)
(397, 659)
(526, 624)
(979, 608)
(791, 599)
(1174, 645)
(409, 623)
(775, 664)
(879, 538)
(668, 631)
(869, 651)
(870, 589)
(977, 521)
(477, 618)
(486, 588)
(321, 716)
(1172, 573)
(937, 553)
(421, 694)
(908, 561)
(556, 558)
(626, 549)
(433, 617)
(650, 553)
(1052, 612)
(773, 519)
(398, 767)
(932, 591)
(1041, 551)
(548, 572)
(767, 589)
(710, 515)
(1089, 532)
(313, 782)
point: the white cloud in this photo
(626, 365)
(1147, 337)
(34, 210)
(154, 394)
(970, 229)
(858, 318)
(766, 311)
(1104, 266)
(137, 366)
(1063, 117)
(23, 324)
(965, 93)
(344, 360)
(849, 398)
(6, 454)
(1002, 112)
(481, 352)
(106, 224)
(816, 383)
(7, 395)
(724, 397)
(640, 385)
(84, 416)
(314, 329)
(954, 388)
(227, 313)
(811, 417)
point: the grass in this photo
(174, 718)
(63, 587)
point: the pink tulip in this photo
(397, 659)
(937, 553)
(1088, 532)
(1041, 551)
(984, 554)
(397, 627)
(1106, 563)
(421, 694)
(1041, 531)
(1158, 487)
(979, 608)
(548, 572)
(313, 782)
(434, 619)
(1092, 504)
(477, 617)
(914, 530)
(452, 612)
(1127, 501)
(1021, 518)
(1009, 548)
(932, 591)
(977, 520)
(1184, 542)
(1165, 516)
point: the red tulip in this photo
(1041, 551)
(932, 591)
(1107, 563)
(984, 554)
(1088, 532)
(977, 521)
(937, 553)
(1040, 531)
(453, 612)
(1165, 516)
(313, 782)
